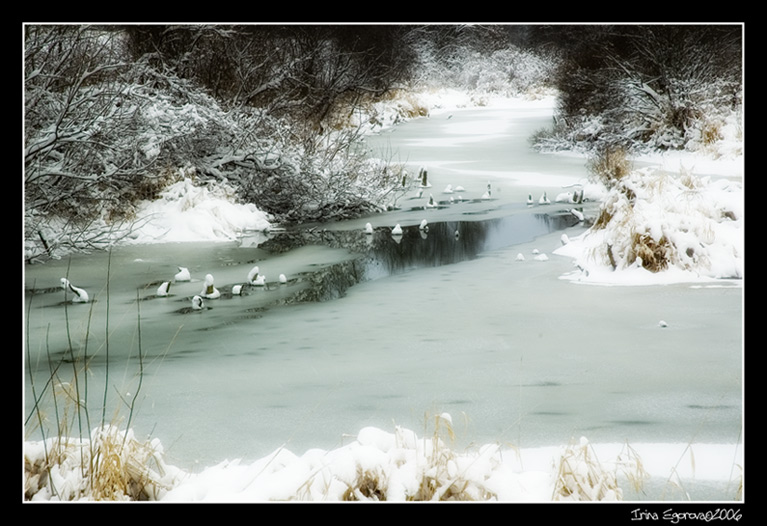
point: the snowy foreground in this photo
(702, 216)
(394, 466)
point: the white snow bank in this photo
(445, 100)
(186, 212)
(698, 220)
(397, 466)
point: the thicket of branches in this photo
(112, 113)
(485, 59)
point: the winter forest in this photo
(114, 114)
(272, 124)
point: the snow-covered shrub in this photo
(167, 123)
(642, 120)
(95, 144)
(443, 475)
(509, 72)
(110, 466)
(685, 115)
(654, 221)
(402, 467)
(719, 134)
(472, 62)
(297, 175)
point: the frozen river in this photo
(383, 331)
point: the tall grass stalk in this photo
(140, 365)
(75, 376)
(36, 412)
(78, 400)
(674, 479)
(106, 343)
(581, 477)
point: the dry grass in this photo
(638, 249)
(414, 108)
(427, 470)
(441, 475)
(711, 133)
(342, 115)
(651, 254)
(610, 165)
(581, 477)
(368, 486)
(112, 466)
(632, 468)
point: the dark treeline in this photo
(304, 70)
(112, 113)
(650, 85)
(295, 70)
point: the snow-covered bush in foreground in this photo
(112, 466)
(663, 227)
(377, 466)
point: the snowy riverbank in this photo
(703, 208)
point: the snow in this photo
(701, 218)
(396, 463)
(702, 214)
(189, 213)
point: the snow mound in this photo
(657, 228)
(189, 213)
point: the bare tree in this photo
(74, 108)
(92, 145)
